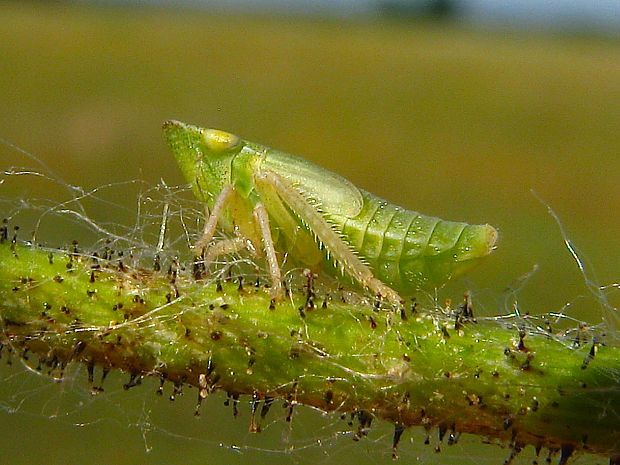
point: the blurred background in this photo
(457, 109)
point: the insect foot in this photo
(386, 292)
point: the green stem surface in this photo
(411, 368)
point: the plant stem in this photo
(430, 368)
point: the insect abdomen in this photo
(410, 251)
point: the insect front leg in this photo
(228, 197)
(203, 247)
(209, 230)
(340, 250)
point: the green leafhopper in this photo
(276, 202)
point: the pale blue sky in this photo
(604, 13)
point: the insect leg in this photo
(209, 230)
(227, 246)
(299, 243)
(347, 259)
(262, 218)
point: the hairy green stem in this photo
(431, 368)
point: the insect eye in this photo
(219, 141)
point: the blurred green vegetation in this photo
(437, 117)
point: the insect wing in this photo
(329, 192)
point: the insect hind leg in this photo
(339, 249)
